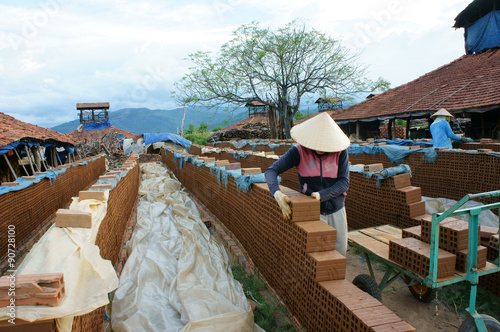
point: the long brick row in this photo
(282, 251)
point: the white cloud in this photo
(60, 52)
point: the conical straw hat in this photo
(441, 112)
(320, 133)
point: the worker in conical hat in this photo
(441, 132)
(321, 159)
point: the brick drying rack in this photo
(46, 199)
(110, 237)
(295, 257)
(28, 208)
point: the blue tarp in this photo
(395, 153)
(163, 137)
(14, 145)
(96, 125)
(483, 34)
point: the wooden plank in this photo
(376, 247)
(379, 236)
(393, 230)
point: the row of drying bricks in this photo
(48, 288)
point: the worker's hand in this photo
(316, 195)
(467, 140)
(284, 204)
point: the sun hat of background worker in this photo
(320, 133)
(441, 112)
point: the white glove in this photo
(284, 204)
(316, 195)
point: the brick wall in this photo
(28, 208)
(310, 283)
(110, 237)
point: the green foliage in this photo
(299, 116)
(217, 128)
(278, 65)
(197, 134)
(456, 297)
(269, 313)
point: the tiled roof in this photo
(468, 83)
(12, 130)
(89, 106)
(238, 125)
(97, 134)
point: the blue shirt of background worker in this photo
(441, 132)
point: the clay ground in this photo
(402, 303)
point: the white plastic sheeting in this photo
(88, 278)
(438, 205)
(176, 277)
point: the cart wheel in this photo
(422, 293)
(469, 325)
(367, 284)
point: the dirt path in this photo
(402, 303)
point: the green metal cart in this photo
(374, 244)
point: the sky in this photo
(56, 53)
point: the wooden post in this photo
(357, 129)
(43, 159)
(25, 170)
(389, 128)
(54, 159)
(408, 121)
(57, 155)
(29, 158)
(10, 166)
(36, 158)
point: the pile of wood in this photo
(248, 131)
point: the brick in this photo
(247, 171)
(411, 194)
(72, 218)
(112, 176)
(221, 163)
(29, 178)
(92, 194)
(373, 167)
(232, 166)
(34, 289)
(10, 184)
(484, 150)
(400, 181)
(417, 209)
(25, 326)
(102, 186)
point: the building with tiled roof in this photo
(21, 141)
(15, 131)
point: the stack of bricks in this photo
(294, 256)
(453, 175)
(395, 202)
(485, 144)
(453, 239)
(414, 254)
(33, 289)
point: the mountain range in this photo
(145, 120)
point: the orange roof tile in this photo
(238, 125)
(97, 134)
(471, 82)
(13, 130)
